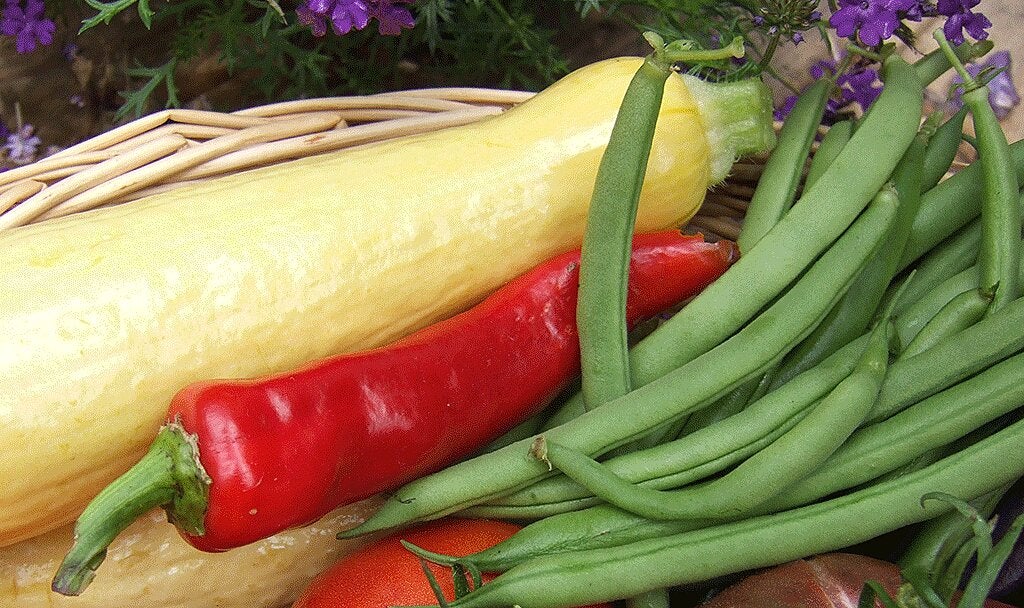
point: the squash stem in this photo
(169, 475)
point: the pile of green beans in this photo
(864, 352)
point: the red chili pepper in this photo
(284, 450)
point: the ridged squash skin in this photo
(104, 315)
(150, 566)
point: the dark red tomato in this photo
(386, 574)
(833, 580)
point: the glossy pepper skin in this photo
(240, 460)
(284, 450)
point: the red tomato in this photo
(387, 574)
(833, 580)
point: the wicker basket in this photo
(173, 148)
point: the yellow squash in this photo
(150, 566)
(106, 314)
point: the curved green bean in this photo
(777, 187)
(1000, 215)
(992, 339)
(604, 257)
(951, 205)
(597, 575)
(854, 312)
(953, 255)
(722, 444)
(792, 456)
(824, 211)
(942, 149)
(957, 315)
(831, 145)
(870, 453)
(752, 350)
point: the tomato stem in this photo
(169, 475)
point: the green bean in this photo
(871, 452)
(752, 350)
(777, 187)
(762, 476)
(824, 211)
(733, 403)
(1000, 215)
(854, 312)
(951, 205)
(527, 428)
(831, 144)
(936, 63)
(719, 445)
(593, 528)
(957, 315)
(956, 357)
(604, 257)
(942, 149)
(931, 423)
(603, 574)
(953, 255)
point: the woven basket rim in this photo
(176, 147)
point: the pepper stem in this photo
(169, 475)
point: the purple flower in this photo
(1002, 94)
(858, 86)
(872, 20)
(783, 111)
(959, 17)
(347, 15)
(22, 145)
(27, 25)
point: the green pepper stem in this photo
(169, 475)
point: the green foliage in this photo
(503, 43)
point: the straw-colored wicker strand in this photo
(18, 193)
(381, 102)
(734, 202)
(40, 167)
(89, 178)
(288, 149)
(161, 169)
(711, 207)
(195, 132)
(468, 95)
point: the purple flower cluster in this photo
(347, 15)
(860, 85)
(22, 145)
(26, 24)
(960, 17)
(1002, 94)
(873, 21)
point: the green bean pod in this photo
(582, 577)
(604, 257)
(824, 211)
(953, 255)
(776, 189)
(710, 449)
(992, 339)
(960, 313)
(697, 384)
(854, 312)
(831, 145)
(951, 205)
(1000, 214)
(792, 456)
(936, 63)
(871, 453)
(929, 424)
(942, 149)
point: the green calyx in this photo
(169, 475)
